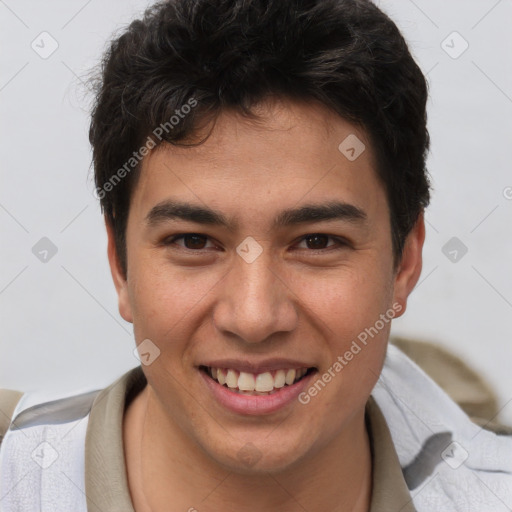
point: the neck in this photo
(165, 466)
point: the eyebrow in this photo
(333, 210)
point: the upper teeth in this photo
(261, 382)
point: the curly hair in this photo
(219, 54)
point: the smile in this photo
(260, 384)
(255, 393)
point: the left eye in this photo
(317, 241)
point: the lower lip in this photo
(256, 404)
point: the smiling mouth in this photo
(266, 383)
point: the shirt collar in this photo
(389, 489)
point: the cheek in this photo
(346, 300)
(354, 322)
(347, 310)
(165, 301)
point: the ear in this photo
(409, 269)
(120, 282)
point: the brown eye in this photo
(192, 241)
(320, 242)
(316, 241)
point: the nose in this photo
(256, 302)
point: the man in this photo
(261, 167)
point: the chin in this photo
(253, 458)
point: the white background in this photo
(60, 328)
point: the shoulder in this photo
(9, 399)
(463, 384)
(56, 411)
(433, 435)
(19, 410)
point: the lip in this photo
(268, 365)
(256, 404)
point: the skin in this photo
(295, 300)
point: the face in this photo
(265, 249)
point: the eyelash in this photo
(339, 241)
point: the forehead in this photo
(294, 152)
